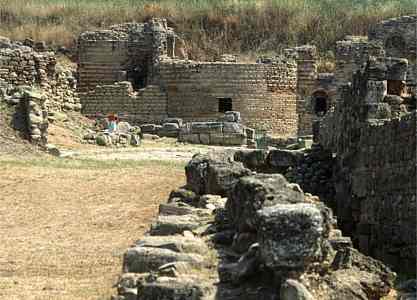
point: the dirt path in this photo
(63, 228)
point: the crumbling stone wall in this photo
(398, 35)
(375, 143)
(143, 106)
(311, 85)
(264, 93)
(144, 54)
(22, 66)
(124, 52)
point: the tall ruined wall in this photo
(125, 52)
(398, 35)
(351, 54)
(375, 176)
(306, 84)
(264, 94)
(101, 59)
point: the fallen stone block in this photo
(146, 259)
(213, 174)
(173, 209)
(206, 127)
(177, 243)
(164, 288)
(233, 128)
(252, 193)
(168, 225)
(291, 235)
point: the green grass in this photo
(210, 27)
(86, 164)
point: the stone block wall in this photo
(399, 37)
(265, 94)
(215, 133)
(375, 171)
(351, 54)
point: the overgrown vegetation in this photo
(210, 27)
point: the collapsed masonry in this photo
(266, 240)
(36, 85)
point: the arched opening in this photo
(320, 101)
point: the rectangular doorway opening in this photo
(225, 104)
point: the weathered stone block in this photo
(290, 235)
(252, 193)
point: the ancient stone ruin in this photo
(32, 81)
(259, 224)
(266, 240)
(141, 71)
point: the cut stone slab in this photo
(177, 243)
(146, 259)
(164, 288)
(169, 225)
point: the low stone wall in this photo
(266, 240)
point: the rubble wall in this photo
(264, 94)
(375, 172)
(22, 66)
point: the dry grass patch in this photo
(64, 225)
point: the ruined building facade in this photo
(139, 71)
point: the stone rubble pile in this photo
(125, 135)
(232, 233)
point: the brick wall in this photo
(265, 94)
(143, 106)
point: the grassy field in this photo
(64, 224)
(211, 27)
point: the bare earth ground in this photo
(64, 223)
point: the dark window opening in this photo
(138, 77)
(320, 106)
(320, 103)
(225, 104)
